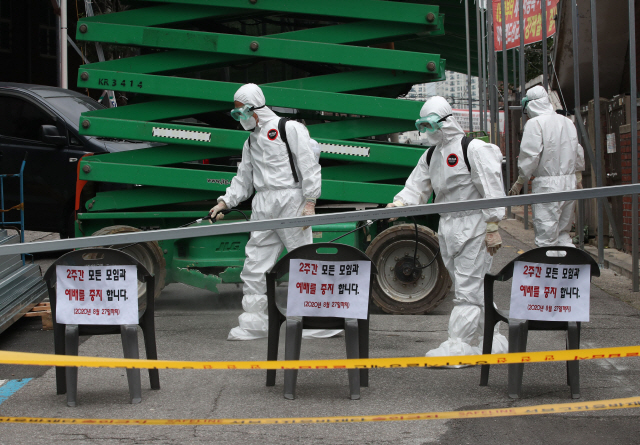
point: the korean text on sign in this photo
(329, 288)
(533, 31)
(97, 295)
(552, 292)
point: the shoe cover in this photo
(500, 343)
(463, 324)
(254, 323)
(453, 346)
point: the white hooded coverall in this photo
(461, 234)
(265, 169)
(550, 151)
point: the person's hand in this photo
(309, 209)
(215, 212)
(493, 238)
(579, 180)
(517, 186)
(394, 204)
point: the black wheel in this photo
(398, 288)
(148, 253)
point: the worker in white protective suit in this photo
(549, 151)
(266, 169)
(468, 239)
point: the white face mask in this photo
(434, 138)
(248, 124)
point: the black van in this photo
(43, 122)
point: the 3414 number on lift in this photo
(114, 83)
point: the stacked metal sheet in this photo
(21, 285)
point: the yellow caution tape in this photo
(576, 407)
(27, 358)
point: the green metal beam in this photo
(163, 14)
(359, 128)
(352, 9)
(164, 155)
(234, 140)
(178, 61)
(339, 82)
(365, 172)
(268, 47)
(218, 182)
(172, 108)
(350, 81)
(145, 197)
(144, 215)
(158, 176)
(224, 91)
(173, 154)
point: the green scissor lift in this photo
(339, 65)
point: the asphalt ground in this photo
(192, 324)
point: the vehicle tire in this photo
(396, 292)
(148, 253)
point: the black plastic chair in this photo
(356, 331)
(65, 337)
(518, 329)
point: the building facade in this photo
(454, 89)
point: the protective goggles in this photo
(430, 123)
(244, 112)
(525, 102)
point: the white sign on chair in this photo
(105, 295)
(329, 288)
(550, 292)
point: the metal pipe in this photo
(325, 218)
(64, 73)
(596, 109)
(466, 19)
(523, 82)
(492, 75)
(58, 48)
(545, 62)
(483, 23)
(634, 144)
(515, 136)
(480, 75)
(515, 73)
(505, 85)
(577, 113)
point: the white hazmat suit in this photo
(461, 234)
(550, 151)
(265, 169)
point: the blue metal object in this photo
(4, 223)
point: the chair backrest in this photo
(317, 252)
(95, 257)
(571, 255)
(321, 252)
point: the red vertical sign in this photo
(532, 21)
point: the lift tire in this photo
(148, 253)
(396, 293)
